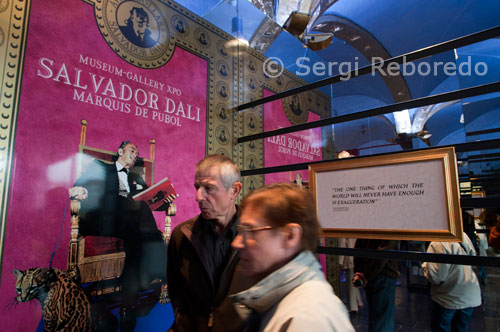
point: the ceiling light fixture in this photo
(296, 24)
(237, 30)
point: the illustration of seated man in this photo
(136, 29)
(108, 209)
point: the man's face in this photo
(139, 22)
(128, 155)
(214, 200)
(261, 247)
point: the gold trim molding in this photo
(13, 31)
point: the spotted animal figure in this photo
(65, 307)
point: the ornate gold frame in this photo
(448, 174)
(478, 194)
(13, 30)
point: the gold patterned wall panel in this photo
(13, 28)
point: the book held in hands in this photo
(154, 196)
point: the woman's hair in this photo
(283, 203)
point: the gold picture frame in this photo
(403, 196)
(478, 211)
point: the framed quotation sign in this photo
(405, 196)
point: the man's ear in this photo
(292, 235)
(120, 151)
(236, 188)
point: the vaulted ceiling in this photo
(363, 30)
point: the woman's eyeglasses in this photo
(245, 230)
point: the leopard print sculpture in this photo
(65, 307)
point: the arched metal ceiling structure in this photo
(365, 29)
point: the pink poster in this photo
(294, 148)
(71, 74)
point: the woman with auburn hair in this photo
(277, 235)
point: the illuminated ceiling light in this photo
(237, 30)
(424, 134)
(237, 42)
(403, 122)
(237, 26)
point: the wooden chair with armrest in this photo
(101, 258)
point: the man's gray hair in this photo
(229, 171)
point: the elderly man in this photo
(201, 263)
(108, 209)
